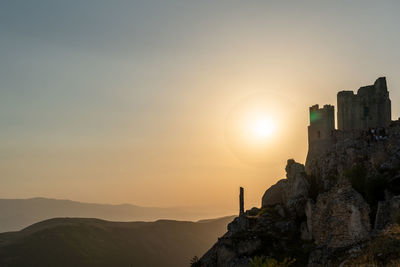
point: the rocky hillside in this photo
(93, 242)
(336, 210)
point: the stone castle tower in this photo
(369, 108)
(321, 128)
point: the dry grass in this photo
(384, 250)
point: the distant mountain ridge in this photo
(16, 214)
(93, 242)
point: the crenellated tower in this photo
(321, 129)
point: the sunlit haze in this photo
(261, 127)
(176, 103)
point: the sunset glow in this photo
(262, 128)
(171, 103)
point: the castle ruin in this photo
(369, 108)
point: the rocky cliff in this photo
(328, 213)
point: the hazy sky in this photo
(140, 101)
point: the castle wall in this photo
(347, 106)
(369, 108)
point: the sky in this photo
(152, 102)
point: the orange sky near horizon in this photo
(153, 103)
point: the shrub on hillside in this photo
(269, 262)
(383, 250)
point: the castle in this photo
(369, 109)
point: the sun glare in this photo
(262, 128)
(256, 128)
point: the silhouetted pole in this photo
(241, 201)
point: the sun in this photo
(261, 128)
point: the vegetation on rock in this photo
(270, 262)
(383, 250)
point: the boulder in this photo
(340, 218)
(297, 185)
(296, 190)
(275, 194)
(290, 190)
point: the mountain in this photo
(93, 242)
(19, 213)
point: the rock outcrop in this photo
(292, 192)
(259, 232)
(297, 186)
(339, 218)
(275, 194)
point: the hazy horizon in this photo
(183, 206)
(149, 103)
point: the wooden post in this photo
(241, 201)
